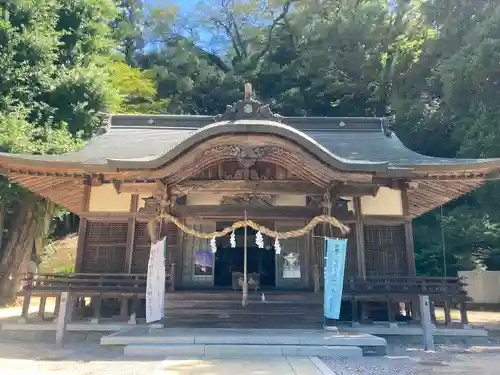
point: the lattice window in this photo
(319, 244)
(385, 250)
(142, 247)
(105, 247)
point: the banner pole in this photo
(244, 300)
(325, 259)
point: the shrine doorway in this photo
(229, 263)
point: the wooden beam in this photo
(354, 190)
(261, 186)
(109, 216)
(385, 219)
(136, 188)
(237, 211)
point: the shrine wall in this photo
(387, 202)
(104, 198)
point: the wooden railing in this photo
(95, 285)
(88, 284)
(439, 288)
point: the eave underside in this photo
(67, 192)
(428, 195)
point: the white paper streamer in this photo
(259, 240)
(232, 240)
(213, 245)
(277, 246)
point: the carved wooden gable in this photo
(238, 170)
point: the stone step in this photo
(236, 307)
(305, 298)
(240, 350)
(213, 336)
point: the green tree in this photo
(54, 82)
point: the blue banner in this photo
(335, 256)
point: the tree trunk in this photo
(2, 222)
(18, 250)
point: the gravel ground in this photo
(89, 358)
(407, 360)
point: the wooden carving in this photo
(248, 109)
(255, 171)
(248, 199)
(339, 205)
(151, 207)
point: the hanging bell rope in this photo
(249, 223)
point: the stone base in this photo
(215, 343)
(241, 351)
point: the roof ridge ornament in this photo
(248, 109)
(387, 125)
(105, 123)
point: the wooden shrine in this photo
(281, 171)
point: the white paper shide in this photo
(155, 287)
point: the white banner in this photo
(155, 287)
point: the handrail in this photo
(87, 281)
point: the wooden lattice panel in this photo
(385, 250)
(105, 247)
(319, 248)
(142, 247)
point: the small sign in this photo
(335, 256)
(291, 266)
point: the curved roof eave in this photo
(249, 127)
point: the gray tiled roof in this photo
(359, 142)
(362, 140)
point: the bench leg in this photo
(26, 307)
(41, 308)
(447, 314)
(463, 315)
(57, 306)
(96, 302)
(124, 309)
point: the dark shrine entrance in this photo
(229, 261)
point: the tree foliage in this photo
(433, 64)
(54, 82)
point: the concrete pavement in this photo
(256, 366)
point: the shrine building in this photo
(278, 171)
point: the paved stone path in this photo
(89, 358)
(259, 366)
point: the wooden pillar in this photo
(390, 311)
(354, 312)
(63, 317)
(360, 238)
(359, 235)
(433, 312)
(410, 251)
(131, 234)
(129, 250)
(82, 229)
